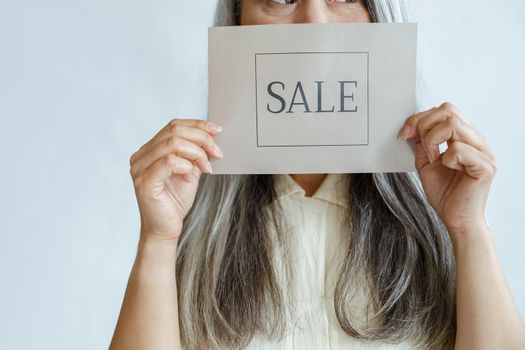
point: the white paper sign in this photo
(312, 98)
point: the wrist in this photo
(467, 226)
(153, 247)
(161, 239)
(157, 241)
(478, 234)
(156, 259)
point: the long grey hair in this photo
(228, 285)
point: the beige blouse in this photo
(316, 241)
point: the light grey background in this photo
(83, 84)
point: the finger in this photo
(444, 112)
(154, 177)
(463, 157)
(409, 128)
(192, 175)
(202, 124)
(451, 129)
(421, 157)
(172, 128)
(420, 123)
(177, 146)
(191, 134)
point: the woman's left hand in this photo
(456, 182)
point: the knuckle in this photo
(447, 159)
(133, 158)
(411, 120)
(200, 123)
(208, 140)
(452, 122)
(134, 171)
(454, 148)
(137, 182)
(175, 128)
(421, 129)
(170, 159)
(448, 107)
(415, 119)
(173, 142)
(173, 122)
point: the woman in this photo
(311, 261)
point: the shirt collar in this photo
(333, 189)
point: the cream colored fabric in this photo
(316, 241)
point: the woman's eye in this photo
(284, 2)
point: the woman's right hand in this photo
(166, 172)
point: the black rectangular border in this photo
(309, 53)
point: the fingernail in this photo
(209, 168)
(213, 127)
(406, 131)
(217, 151)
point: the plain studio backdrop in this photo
(83, 84)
